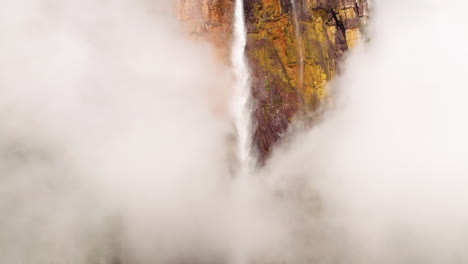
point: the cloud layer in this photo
(114, 147)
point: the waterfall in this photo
(299, 46)
(242, 104)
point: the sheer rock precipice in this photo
(293, 52)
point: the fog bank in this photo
(114, 144)
(388, 159)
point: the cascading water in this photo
(299, 46)
(242, 105)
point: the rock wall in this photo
(293, 49)
(293, 54)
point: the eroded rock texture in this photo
(210, 20)
(293, 50)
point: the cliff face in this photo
(210, 20)
(293, 49)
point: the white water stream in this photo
(299, 46)
(241, 107)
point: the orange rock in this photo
(210, 20)
(293, 54)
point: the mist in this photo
(115, 144)
(114, 137)
(388, 159)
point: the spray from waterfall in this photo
(299, 46)
(242, 104)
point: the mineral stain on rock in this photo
(327, 28)
(289, 66)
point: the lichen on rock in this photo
(281, 86)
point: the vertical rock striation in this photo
(293, 49)
(291, 66)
